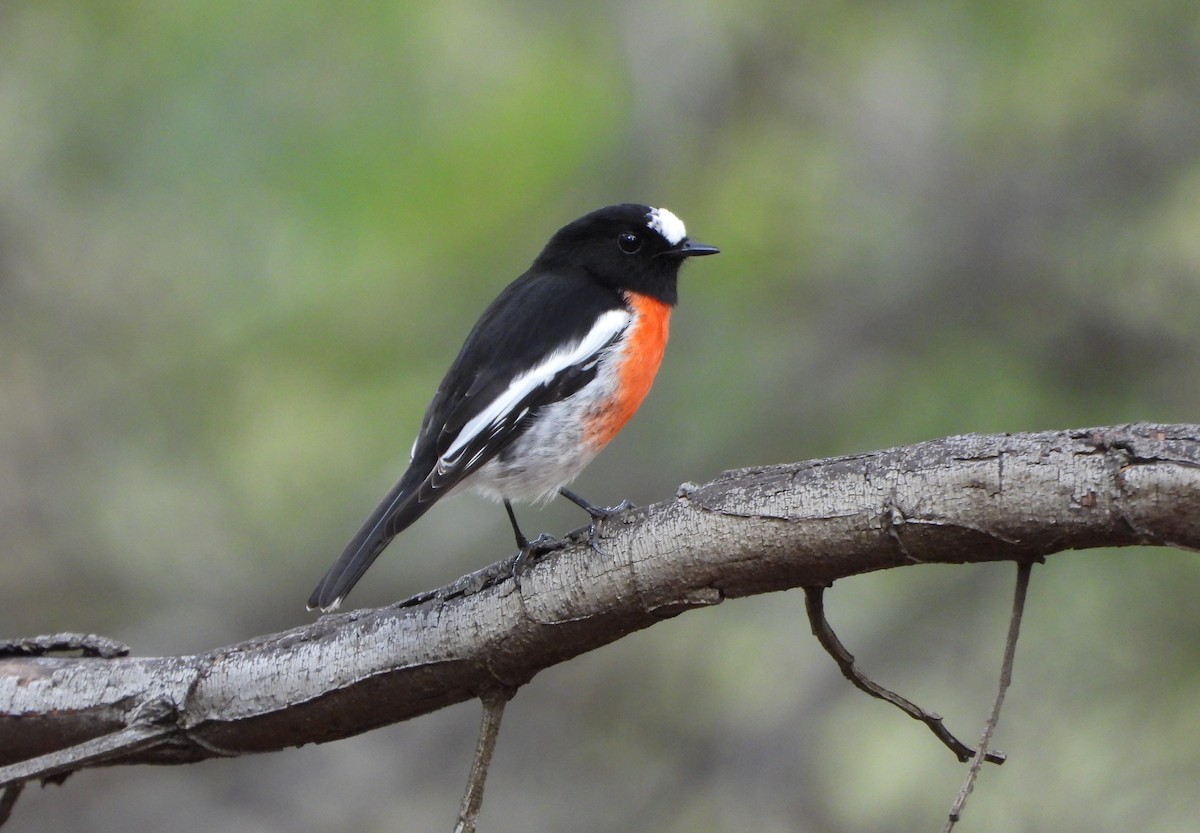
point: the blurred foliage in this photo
(239, 243)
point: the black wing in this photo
(478, 410)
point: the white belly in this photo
(554, 449)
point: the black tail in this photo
(397, 512)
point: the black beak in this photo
(690, 248)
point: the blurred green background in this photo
(240, 242)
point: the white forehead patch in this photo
(666, 224)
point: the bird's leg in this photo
(528, 549)
(599, 514)
(522, 541)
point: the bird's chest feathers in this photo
(634, 365)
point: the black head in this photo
(626, 246)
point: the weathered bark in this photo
(955, 500)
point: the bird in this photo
(553, 369)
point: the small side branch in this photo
(61, 763)
(1024, 568)
(64, 644)
(814, 603)
(489, 729)
(9, 799)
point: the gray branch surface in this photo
(956, 500)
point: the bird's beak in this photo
(690, 248)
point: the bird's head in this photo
(627, 247)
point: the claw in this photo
(530, 552)
(598, 514)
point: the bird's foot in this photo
(530, 552)
(598, 514)
(602, 514)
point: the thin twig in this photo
(814, 603)
(63, 762)
(489, 729)
(11, 793)
(83, 644)
(1024, 568)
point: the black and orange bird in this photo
(551, 372)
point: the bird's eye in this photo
(629, 242)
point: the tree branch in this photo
(1024, 569)
(955, 500)
(814, 602)
(489, 729)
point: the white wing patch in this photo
(491, 417)
(666, 224)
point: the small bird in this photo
(550, 373)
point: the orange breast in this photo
(642, 354)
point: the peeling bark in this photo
(956, 500)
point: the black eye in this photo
(629, 242)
